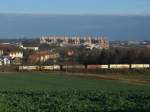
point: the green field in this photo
(68, 92)
(61, 81)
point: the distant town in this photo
(62, 50)
(40, 50)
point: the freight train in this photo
(88, 67)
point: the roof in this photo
(41, 53)
(6, 47)
(16, 51)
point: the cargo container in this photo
(29, 68)
(104, 66)
(140, 66)
(47, 68)
(119, 66)
(79, 66)
(56, 67)
(67, 66)
(93, 66)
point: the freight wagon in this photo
(119, 66)
(93, 66)
(50, 68)
(47, 68)
(97, 66)
(29, 68)
(73, 67)
(57, 67)
(138, 66)
(104, 66)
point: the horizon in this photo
(70, 14)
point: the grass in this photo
(38, 81)
(68, 92)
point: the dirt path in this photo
(110, 77)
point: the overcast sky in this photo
(76, 6)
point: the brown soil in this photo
(110, 77)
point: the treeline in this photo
(116, 56)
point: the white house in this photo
(5, 60)
(16, 54)
(31, 48)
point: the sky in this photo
(141, 7)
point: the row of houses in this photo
(14, 57)
(14, 54)
(9, 55)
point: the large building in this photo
(104, 43)
(98, 42)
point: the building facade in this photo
(102, 42)
(16, 54)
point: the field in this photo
(68, 92)
(62, 81)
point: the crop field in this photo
(60, 81)
(67, 92)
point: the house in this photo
(16, 54)
(70, 53)
(5, 60)
(31, 48)
(1, 52)
(42, 56)
(16, 61)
